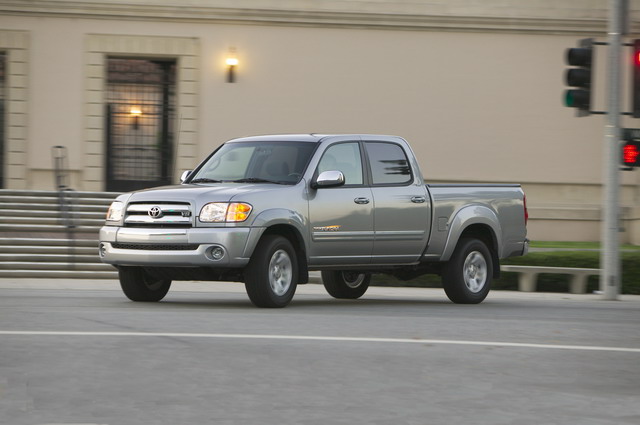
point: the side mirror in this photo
(329, 179)
(184, 175)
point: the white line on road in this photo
(325, 338)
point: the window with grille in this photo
(3, 58)
(140, 100)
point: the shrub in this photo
(546, 282)
(581, 259)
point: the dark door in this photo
(140, 104)
(3, 57)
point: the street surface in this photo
(78, 352)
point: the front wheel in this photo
(138, 285)
(467, 276)
(346, 284)
(272, 273)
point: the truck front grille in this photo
(160, 214)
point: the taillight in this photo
(526, 212)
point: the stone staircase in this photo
(37, 242)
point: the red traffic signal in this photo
(631, 153)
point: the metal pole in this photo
(610, 256)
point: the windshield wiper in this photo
(205, 180)
(256, 180)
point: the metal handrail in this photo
(65, 196)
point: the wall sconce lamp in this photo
(232, 62)
(136, 113)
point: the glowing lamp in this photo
(136, 113)
(232, 63)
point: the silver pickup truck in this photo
(266, 210)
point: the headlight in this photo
(220, 212)
(214, 212)
(115, 211)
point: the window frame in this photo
(364, 167)
(411, 177)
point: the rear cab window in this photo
(389, 164)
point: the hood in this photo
(200, 193)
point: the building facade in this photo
(138, 90)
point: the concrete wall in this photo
(474, 86)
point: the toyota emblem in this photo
(155, 212)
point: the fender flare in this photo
(466, 217)
(274, 217)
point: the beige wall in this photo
(476, 90)
(16, 46)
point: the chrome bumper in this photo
(190, 247)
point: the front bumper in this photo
(191, 247)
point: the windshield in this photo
(256, 162)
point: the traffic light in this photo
(631, 153)
(635, 72)
(580, 77)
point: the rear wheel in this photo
(138, 285)
(272, 273)
(466, 278)
(346, 284)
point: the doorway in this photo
(140, 109)
(3, 67)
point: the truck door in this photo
(402, 214)
(341, 218)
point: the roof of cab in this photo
(281, 138)
(313, 137)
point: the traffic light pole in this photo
(610, 254)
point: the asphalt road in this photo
(78, 352)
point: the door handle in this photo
(418, 199)
(361, 200)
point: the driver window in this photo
(344, 157)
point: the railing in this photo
(65, 195)
(528, 275)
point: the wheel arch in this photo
(485, 234)
(478, 222)
(294, 236)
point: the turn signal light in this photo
(238, 212)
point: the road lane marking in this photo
(326, 339)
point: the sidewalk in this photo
(309, 289)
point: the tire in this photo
(467, 276)
(271, 276)
(346, 284)
(138, 285)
